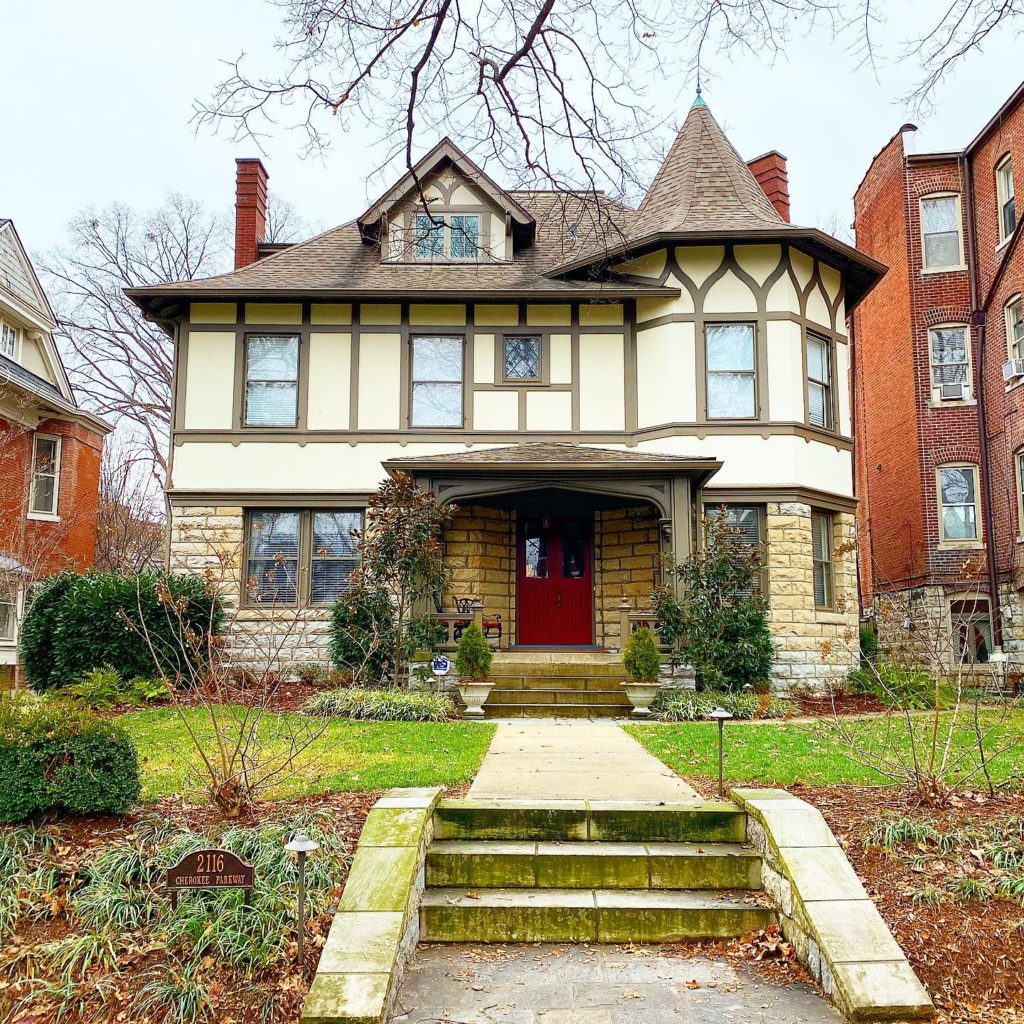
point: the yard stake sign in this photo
(209, 869)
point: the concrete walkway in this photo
(537, 759)
(547, 984)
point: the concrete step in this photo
(590, 865)
(586, 915)
(600, 821)
(492, 710)
(558, 695)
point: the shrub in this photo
(363, 634)
(868, 643)
(641, 657)
(900, 686)
(98, 619)
(473, 654)
(391, 705)
(58, 757)
(98, 688)
(688, 706)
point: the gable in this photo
(17, 275)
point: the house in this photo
(939, 364)
(581, 381)
(50, 449)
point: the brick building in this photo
(50, 449)
(939, 408)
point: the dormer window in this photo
(8, 340)
(447, 236)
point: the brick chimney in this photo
(772, 176)
(250, 209)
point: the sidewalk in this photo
(536, 759)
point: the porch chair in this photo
(464, 606)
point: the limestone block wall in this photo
(627, 563)
(816, 647)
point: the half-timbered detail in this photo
(581, 381)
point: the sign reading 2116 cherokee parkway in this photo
(209, 869)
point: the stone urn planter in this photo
(641, 693)
(474, 693)
(641, 659)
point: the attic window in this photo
(447, 236)
(8, 340)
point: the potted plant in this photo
(473, 657)
(642, 660)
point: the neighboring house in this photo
(939, 366)
(50, 448)
(580, 380)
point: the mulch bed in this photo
(840, 704)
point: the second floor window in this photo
(8, 340)
(45, 475)
(454, 236)
(819, 381)
(522, 358)
(271, 380)
(731, 373)
(1005, 198)
(436, 382)
(948, 346)
(958, 503)
(940, 232)
(1015, 328)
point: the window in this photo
(441, 236)
(436, 382)
(1015, 328)
(271, 380)
(1019, 463)
(819, 381)
(958, 503)
(522, 358)
(821, 544)
(298, 557)
(8, 616)
(1004, 196)
(950, 361)
(748, 522)
(940, 231)
(972, 630)
(45, 475)
(8, 340)
(731, 376)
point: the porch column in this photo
(680, 520)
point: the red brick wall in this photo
(45, 546)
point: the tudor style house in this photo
(50, 449)
(939, 370)
(581, 381)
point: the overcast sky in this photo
(98, 98)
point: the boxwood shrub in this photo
(58, 757)
(77, 623)
(382, 705)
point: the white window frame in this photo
(977, 540)
(52, 514)
(1004, 196)
(811, 338)
(13, 598)
(955, 196)
(1018, 467)
(18, 335)
(1009, 320)
(935, 385)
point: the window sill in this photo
(43, 517)
(1004, 243)
(963, 545)
(943, 270)
(953, 403)
(1013, 385)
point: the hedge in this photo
(77, 623)
(382, 705)
(58, 757)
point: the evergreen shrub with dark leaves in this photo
(57, 757)
(39, 627)
(362, 637)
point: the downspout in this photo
(979, 317)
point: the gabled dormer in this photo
(447, 210)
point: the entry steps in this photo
(588, 686)
(575, 871)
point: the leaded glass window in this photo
(436, 382)
(731, 375)
(958, 503)
(429, 237)
(522, 358)
(271, 380)
(940, 228)
(949, 355)
(819, 381)
(439, 236)
(464, 236)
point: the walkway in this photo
(547, 984)
(537, 759)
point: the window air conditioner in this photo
(958, 392)
(1013, 369)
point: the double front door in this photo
(555, 581)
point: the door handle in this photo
(558, 601)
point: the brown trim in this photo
(342, 500)
(500, 380)
(794, 494)
(408, 340)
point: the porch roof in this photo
(554, 457)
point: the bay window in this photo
(823, 568)
(819, 381)
(731, 376)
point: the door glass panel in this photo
(574, 564)
(536, 537)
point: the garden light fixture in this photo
(302, 845)
(721, 716)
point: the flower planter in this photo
(640, 695)
(474, 692)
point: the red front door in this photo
(555, 581)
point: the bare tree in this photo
(552, 92)
(130, 516)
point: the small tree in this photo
(473, 654)
(401, 550)
(363, 634)
(718, 624)
(641, 657)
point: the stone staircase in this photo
(581, 871)
(557, 685)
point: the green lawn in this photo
(782, 754)
(349, 756)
